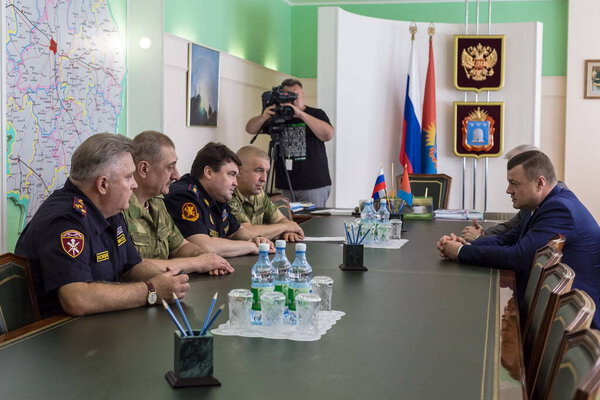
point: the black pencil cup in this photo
(193, 361)
(353, 258)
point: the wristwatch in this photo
(152, 296)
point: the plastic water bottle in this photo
(300, 276)
(368, 222)
(282, 271)
(262, 281)
(384, 227)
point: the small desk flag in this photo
(380, 188)
(405, 193)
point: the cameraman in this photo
(302, 143)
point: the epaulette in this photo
(193, 188)
(79, 206)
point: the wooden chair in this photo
(555, 280)
(557, 241)
(436, 185)
(544, 257)
(578, 357)
(18, 300)
(590, 388)
(573, 312)
(283, 204)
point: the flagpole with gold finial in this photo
(413, 30)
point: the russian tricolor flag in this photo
(379, 190)
(410, 150)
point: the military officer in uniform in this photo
(251, 205)
(198, 204)
(152, 230)
(81, 256)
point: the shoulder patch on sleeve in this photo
(189, 212)
(72, 242)
(79, 206)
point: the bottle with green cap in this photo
(300, 276)
(262, 281)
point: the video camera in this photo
(277, 97)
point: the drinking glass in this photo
(240, 303)
(322, 286)
(307, 309)
(273, 306)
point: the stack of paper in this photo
(297, 206)
(458, 214)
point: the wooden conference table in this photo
(415, 327)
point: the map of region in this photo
(66, 72)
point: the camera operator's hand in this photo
(268, 113)
(254, 124)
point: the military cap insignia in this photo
(79, 206)
(189, 212)
(72, 242)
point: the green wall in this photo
(256, 30)
(552, 13)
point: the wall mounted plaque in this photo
(478, 62)
(478, 129)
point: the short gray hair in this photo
(96, 154)
(148, 144)
(246, 153)
(519, 149)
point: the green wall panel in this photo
(256, 30)
(552, 13)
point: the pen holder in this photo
(193, 361)
(353, 258)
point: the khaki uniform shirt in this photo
(257, 209)
(152, 231)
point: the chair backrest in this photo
(557, 241)
(578, 355)
(557, 280)
(544, 258)
(590, 388)
(283, 204)
(18, 301)
(574, 311)
(436, 185)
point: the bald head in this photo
(519, 149)
(248, 153)
(254, 170)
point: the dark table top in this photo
(415, 327)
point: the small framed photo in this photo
(592, 79)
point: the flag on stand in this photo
(379, 190)
(405, 193)
(410, 150)
(429, 133)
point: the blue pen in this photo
(166, 306)
(364, 236)
(210, 310)
(353, 236)
(212, 320)
(185, 320)
(358, 234)
(347, 233)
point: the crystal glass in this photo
(307, 309)
(396, 229)
(273, 306)
(322, 286)
(240, 303)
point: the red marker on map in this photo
(52, 46)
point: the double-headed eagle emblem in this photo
(479, 61)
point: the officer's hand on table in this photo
(169, 282)
(259, 239)
(472, 232)
(293, 237)
(214, 264)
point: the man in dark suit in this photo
(551, 209)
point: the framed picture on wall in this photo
(203, 86)
(592, 79)
(478, 62)
(478, 129)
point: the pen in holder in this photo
(353, 258)
(193, 361)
